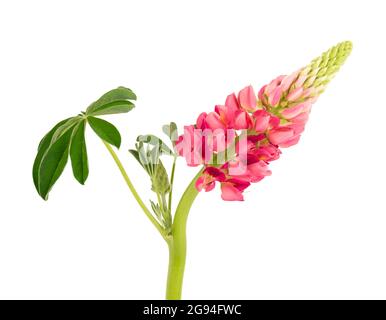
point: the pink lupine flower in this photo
(275, 120)
(251, 169)
(246, 100)
(231, 188)
(265, 151)
(259, 146)
(225, 117)
(209, 176)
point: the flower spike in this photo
(273, 120)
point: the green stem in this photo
(134, 192)
(177, 243)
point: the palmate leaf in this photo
(78, 153)
(112, 102)
(105, 130)
(67, 138)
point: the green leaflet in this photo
(156, 142)
(112, 102)
(42, 148)
(171, 131)
(135, 154)
(105, 130)
(71, 122)
(78, 153)
(53, 163)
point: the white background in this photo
(314, 229)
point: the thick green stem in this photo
(177, 243)
(134, 192)
(177, 240)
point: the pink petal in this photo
(200, 183)
(274, 122)
(288, 80)
(230, 193)
(222, 112)
(308, 92)
(294, 111)
(295, 94)
(273, 84)
(299, 82)
(247, 99)
(274, 97)
(259, 169)
(239, 184)
(297, 127)
(262, 118)
(280, 135)
(231, 102)
(268, 153)
(213, 121)
(216, 173)
(226, 113)
(210, 186)
(256, 138)
(301, 118)
(242, 121)
(200, 123)
(261, 93)
(290, 142)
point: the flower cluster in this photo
(238, 140)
